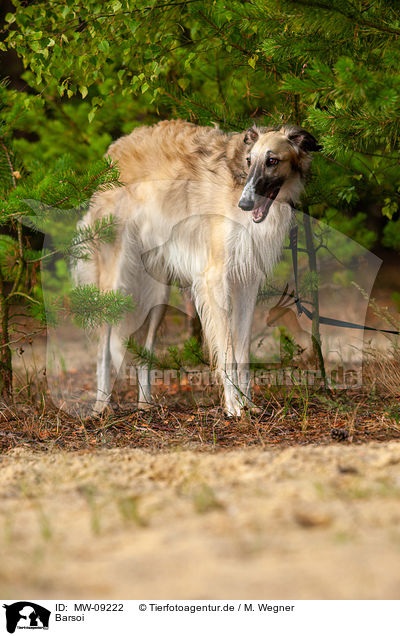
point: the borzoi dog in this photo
(208, 209)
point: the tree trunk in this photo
(312, 262)
(5, 351)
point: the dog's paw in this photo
(145, 406)
(242, 409)
(253, 409)
(233, 410)
(101, 409)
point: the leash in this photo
(323, 320)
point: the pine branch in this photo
(92, 308)
(350, 16)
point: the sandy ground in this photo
(299, 522)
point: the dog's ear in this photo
(302, 139)
(251, 135)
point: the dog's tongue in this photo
(258, 213)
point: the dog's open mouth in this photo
(261, 212)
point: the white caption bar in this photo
(278, 618)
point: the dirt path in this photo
(303, 522)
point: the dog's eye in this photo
(272, 162)
(248, 161)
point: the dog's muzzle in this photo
(246, 204)
(260, 212)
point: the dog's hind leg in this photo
(103, 371)
(118, 343)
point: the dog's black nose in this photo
(246, 204)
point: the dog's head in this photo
(277, 162)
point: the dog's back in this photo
(177, 150)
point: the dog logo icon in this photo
(26, 615)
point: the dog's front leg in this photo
(103, 371)
(215, 308)
(243, 298)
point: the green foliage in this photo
(189, 354)
(44, 312)
(355, 226)
(192, 352)
(391, 235)
(310, 282)
(63, 187)
(102, 68)
(289, 348)
(92, 307)
(87, 238)
(8, 256)
(38, 198)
